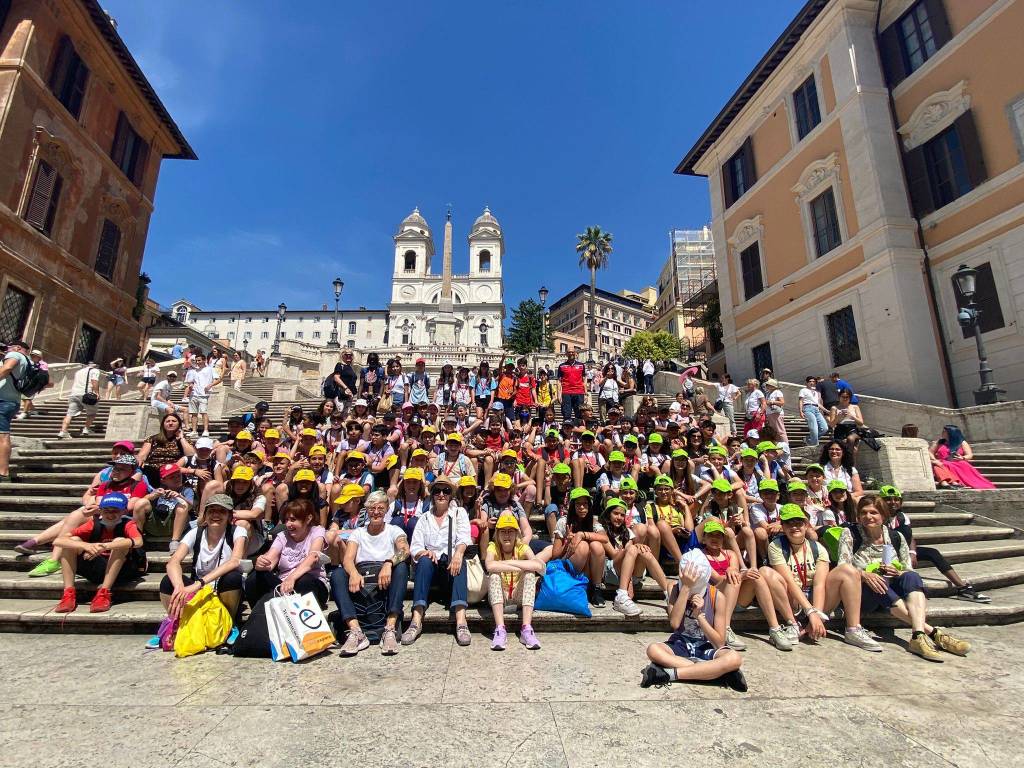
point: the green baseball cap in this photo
(748, 452)
(766, 445)
(627, 484)
(579, 493)
(631, 439)
(791, 512)
(553, 433)
(768, 485)
(814, 468)
(663, 480)
(722, 485)
(561, 468)
(713, 525)
(655, 438)
(614, 502)
(796, 485)
(587, 434)
(836, 485)
(679, 453)
(617, 456)
(890, 492)
(717, 450)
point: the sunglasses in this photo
(441, 492)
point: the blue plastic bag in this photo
(563, 590)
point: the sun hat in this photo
(204, 442)
(617, 456)
(349, 492)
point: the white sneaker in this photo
(792, 633)
(21, 416)
(859, 637)
(86, 432)
(206, 433)
(734, 642)
(779, 638)
(64, 435)
(625, 606)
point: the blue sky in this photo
(319, 126)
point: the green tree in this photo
(524, 333)
(656, 345)
(593, 246)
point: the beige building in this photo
(618, 318)
(82, 137)
(875, 148)
(688, 270)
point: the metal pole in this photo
(333, 343)
(275, 350)
(988, 393)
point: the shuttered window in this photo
(738, 174)
(842, 337)
(826, 222)
(69, 77)
(129, 151)
(805, 104)
(42, 200)
(945, 167)
(913, 39)
(110, 245)
(750, 266)
(986, 299)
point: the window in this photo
(750, 266)
(604, 339)
(282, 335)
(410, 261)
(265, 335)
(69, 77)
(914, 38)
(129, 151)
(842, 337)
(298, 335)
(106, 254)
(738, 173)
(180, 313)
(947, 167)
(563, 347)
(352, 327)
(986, 299)
(14, 313)
(85, 345)
(616, 328)
(42, 202)
(266, 319)
(316, 334)
(485, 261)
(826, 223)
(405, 338)
(762, 355)
(805, 103)
(247, 336)
(231, 335)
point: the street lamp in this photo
(969, 317)
(543, 293)
(338, 285)
(275, 350)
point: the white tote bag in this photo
(297, 627)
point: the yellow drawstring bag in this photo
(205, 623)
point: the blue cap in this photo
(497, 406)
(114, 501)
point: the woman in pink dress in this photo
(952, 462)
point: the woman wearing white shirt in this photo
(438, 544)
(775, 416)
(754, 406)
(837, 461)
(727, 394)
(377, 550)
(812, 410)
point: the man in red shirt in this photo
(105, 549)
(525, 386)
(571, 375)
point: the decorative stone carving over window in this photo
(56, 153)
(116, 209)
(816, 177)
(934, 115)
(747, 232)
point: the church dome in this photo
(414, 221)
(486, 220)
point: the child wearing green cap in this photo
(626, 558)
(729, 506)
(556, 495)
(654, 461)
(670, 515)
(580, 538)
(764, 516)
(608, 481)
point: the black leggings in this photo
(934, 557)
(259, 583)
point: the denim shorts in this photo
(7, 410)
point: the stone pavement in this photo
(83, 700)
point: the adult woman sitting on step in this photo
(168, 446)
(882, 557)
(837, 462)
(951, 462)
(216, 548)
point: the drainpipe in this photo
(933, 301)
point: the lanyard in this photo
(801, 565)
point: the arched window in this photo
(180, 313)
(485, 261)
(410, 261)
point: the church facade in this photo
(428, 309)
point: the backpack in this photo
(330, 388)
(787, 551)
(33, 381)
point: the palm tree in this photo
(593, 246)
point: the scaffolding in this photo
(694, 283)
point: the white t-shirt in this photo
(163, 387)
(376, 549)
(201, 381)
(775, 401)
(211, 559)
(808, 396)
(840, 473)
(648, 368)
(753, 401)
(726, 392)
(79, 386)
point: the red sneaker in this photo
(68, 601)
(101, 601)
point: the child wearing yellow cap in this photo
(514, 571)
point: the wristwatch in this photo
(821, 614)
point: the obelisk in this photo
(445, 324)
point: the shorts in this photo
(197, 404)
(160, 406)
(149, 379)
(94, 570)
(117, 381)
(481, 402)
(7, 409)
(76, 406)
(692, 648)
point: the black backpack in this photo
(330, 387)
(33, 381)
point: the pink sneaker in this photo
(499, 640)
(529, 638)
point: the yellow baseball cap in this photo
(454, 436)
(355, 455)
(429, 428)
(467, 481)
(349, 492)
(305, 474)
(508, 453)
(317, 450)
(413, 473)
(281, 455)
(419, 452)
(501, 480)
(244, 435)
(506, 520)
(272, 433)
(242, 473)
(309, 432)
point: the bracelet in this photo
(202, 583)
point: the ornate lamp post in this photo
(275, 350)
(543, 293)
(338, 285)
(969, 317)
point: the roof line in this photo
(120, 50)
(752, 84)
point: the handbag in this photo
(296, 627)
(168, 629)
(253, 638)
(384, 403)
(89, 398)
(205, 623)
(476, 582)
(563, 590)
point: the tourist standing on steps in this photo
(28, 408)
(648, 371)
(84, 394)
(727, 395)
(198, 382)
(813, 411)
(571, 380)
(238, 370)
(15, 365)
(148, 378)
(117, 378)
(828, 390)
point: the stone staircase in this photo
(49, 476)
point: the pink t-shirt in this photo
(294, 552)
